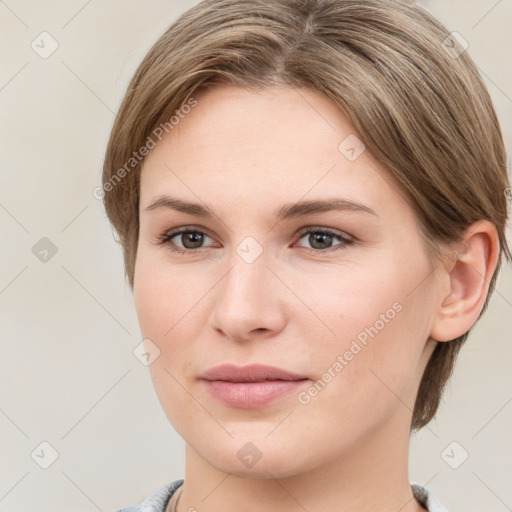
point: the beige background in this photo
(68, 326)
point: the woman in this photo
(310, 197)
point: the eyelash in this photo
(166, 237)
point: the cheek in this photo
(168, 305)
(380, 331)
(363, 381)
(161, 312)
(160, 295)
(147, 298)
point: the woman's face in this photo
(349, 315)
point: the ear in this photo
(460, 304)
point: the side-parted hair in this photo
(407, 86)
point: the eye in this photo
(192, 239)
(321, 239)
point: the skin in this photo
(245, 154)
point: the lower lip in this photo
(250, 395)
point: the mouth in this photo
(251, 386)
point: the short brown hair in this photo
(403, 81)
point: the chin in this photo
(277, 467)
(256, 457)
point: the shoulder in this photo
(157, 501)
(427, 498)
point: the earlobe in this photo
(469, 277)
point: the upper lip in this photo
(249, 373)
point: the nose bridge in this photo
(247, 281)
(246, 298)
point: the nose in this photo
(249, 302)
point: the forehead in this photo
(275, 144)
(231, 120)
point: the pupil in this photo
(195, 238)
(313, 236)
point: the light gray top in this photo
(157, 502)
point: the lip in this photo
(251, 386)
(249, 373)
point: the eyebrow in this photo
(287, 211)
